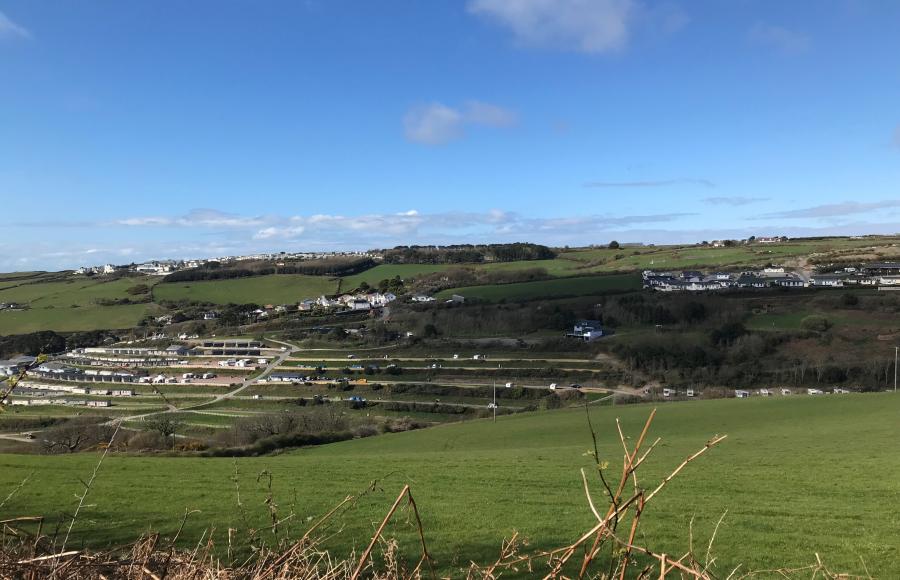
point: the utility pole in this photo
(495, 398)
(896, 351)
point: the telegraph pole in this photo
(495, 396)
(896, 351)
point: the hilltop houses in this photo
(694, 281)
(349, 301)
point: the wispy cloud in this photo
(591, 26)
(779, 38)
(733, 201)
(436, 123)
(206, 218)
(9, 29)
(833, 210)
(651, 183)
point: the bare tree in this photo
(166, 425)
(74, 436)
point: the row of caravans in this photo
(744, 394)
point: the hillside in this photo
(797, 476)
(67, 303)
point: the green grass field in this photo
(71, 305)
(74, 319)
(797, 476)
(675, 257)
(384, 271)
(78, 291)
(581, 286)
(272, 289)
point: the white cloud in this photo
(591, 26)
(9, 29)
(478, 113)
(779, 38)
(436, 123)
(432, 124)
(208, 218)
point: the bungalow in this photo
(56, 368)
(827, 280)
(422, 298)
(586, 330)
(742, 394)
(359, 304)
(787, 282)
(750, 281)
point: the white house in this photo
(586, 330)
(359, 304)
(742, 394)
(827, 280)
(422, 298)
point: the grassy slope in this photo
(381, 272)
(674, 257)
(581, 286)
(273, 289)
(73, 319)
(797, 476)
(69, 306)
(79, 291)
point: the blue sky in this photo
(134, 130)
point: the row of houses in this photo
(66, 402)
(40, 389)
(60, 372)
(848, 278)
(775, 276)
(175, 350)
(696, 281)
(350, 301)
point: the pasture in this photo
(691, 256)
(73, 319)
(271, 289)
(796, 475)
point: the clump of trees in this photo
(336, 266)
(33, 344)
(467, 253)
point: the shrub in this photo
(815, 323)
